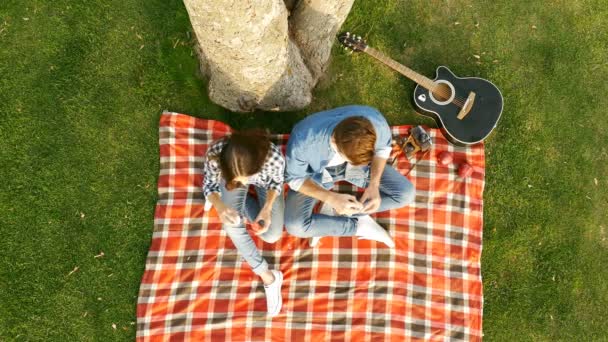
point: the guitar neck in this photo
(402, 69)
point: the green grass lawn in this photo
(83, 83)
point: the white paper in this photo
(326, 177)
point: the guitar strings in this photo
(447, 93)
(457, 101)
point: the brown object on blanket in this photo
(417, 140)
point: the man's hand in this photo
(345, 204)
(371, 196)
(263, 217)
(228, 215)
(370, 199)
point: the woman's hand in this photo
(228, 215)
(262, 222)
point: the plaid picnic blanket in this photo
(196, 287)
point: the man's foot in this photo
(325, 209)
(368, 229)
(274, 300)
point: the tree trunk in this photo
(315, 24)
(247, 53)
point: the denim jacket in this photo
(309, 149)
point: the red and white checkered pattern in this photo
(196, 287)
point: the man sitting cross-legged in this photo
(349, 143)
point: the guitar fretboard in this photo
(405, 71)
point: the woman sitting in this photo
(232, 164)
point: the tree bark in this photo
(246, 49)
(315, 24)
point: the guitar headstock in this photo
(352, 42)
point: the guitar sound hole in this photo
(442, 92)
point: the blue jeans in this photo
(248, 207)
(396, 191)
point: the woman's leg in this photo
(275, 231)
(239, 235)
(248, 207)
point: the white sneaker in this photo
(325, 209)
(368, 229)
(274, 301)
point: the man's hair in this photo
(355, 138)
(243, 155)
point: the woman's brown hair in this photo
(355, 138)
(243, 155)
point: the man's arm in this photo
(376, 170)
(344, 204)
(371, 197)
(310, 188)
(299, 179)
(296, 165)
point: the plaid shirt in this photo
(270, 177)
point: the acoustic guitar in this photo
(466, 109)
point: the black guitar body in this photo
(480, 120)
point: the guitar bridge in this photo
(466, 108)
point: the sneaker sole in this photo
(280, 279)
